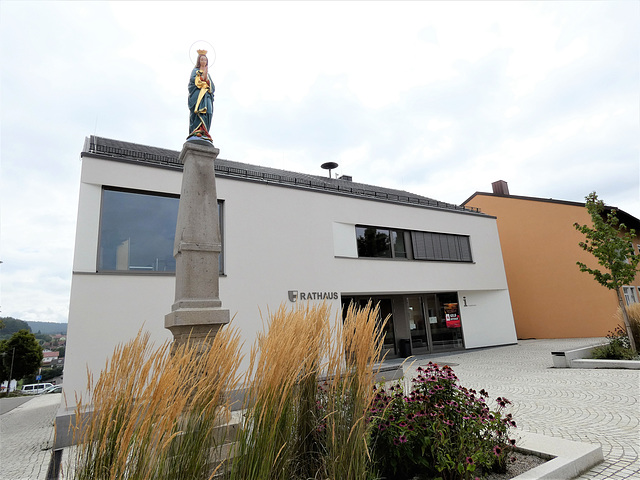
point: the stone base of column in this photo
(198, 325)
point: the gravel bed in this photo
(523, 462)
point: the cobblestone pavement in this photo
(26, 438)
(592, 406)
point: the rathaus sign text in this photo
(294, 295)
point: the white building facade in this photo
(436, 268)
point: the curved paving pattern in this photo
(592, 406)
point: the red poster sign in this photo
(452, 316)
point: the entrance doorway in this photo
(426, 322)
(434, 322)
(446, 328)
(417, 324)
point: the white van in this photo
(35, 388)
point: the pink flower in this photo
(399, 440)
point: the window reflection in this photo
(137, 232)
(373, 242)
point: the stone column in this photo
(197, 311)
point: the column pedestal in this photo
(197, 312)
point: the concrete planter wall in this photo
(581, 358)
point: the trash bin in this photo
(405, 347)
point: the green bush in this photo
(618, 347)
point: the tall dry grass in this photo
(356, 347)
(153, 413)
(306, 403)
(633, 312)
(280, 395)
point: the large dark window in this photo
(380, 242)
(137, 231)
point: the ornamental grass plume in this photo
(307, 397)
(276, 441)
(152, 414)
(287, 360)
(356, 348)
(633, 312)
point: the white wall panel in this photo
(344, 240)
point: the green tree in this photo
(27, 356)
(609, 241)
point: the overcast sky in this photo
(439, 99)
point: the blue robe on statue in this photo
(200, 104)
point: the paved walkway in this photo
(595, 406)
(26, 438)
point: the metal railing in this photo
(340, 186)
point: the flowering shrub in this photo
(439, 428)
(618, 348)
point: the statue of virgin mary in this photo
(201, 89)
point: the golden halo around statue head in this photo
(199, 46)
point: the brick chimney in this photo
(500, 188)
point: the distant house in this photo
(49, 358)
(550, 297)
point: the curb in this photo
(569, 458)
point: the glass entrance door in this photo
(445, 322)
(417, 325)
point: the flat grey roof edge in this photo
(114, 150)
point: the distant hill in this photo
(11, 325)
(48, 328)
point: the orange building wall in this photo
(550, 297)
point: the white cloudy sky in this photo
(439, 99)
